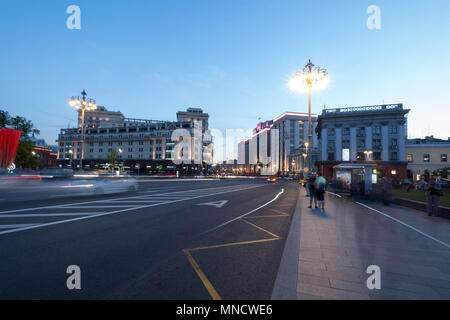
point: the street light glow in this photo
(309, 78)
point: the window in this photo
(100, 150)
(392, 129)
(360, 132)
(346, 131)
(376, 143)
(130, 143)
(443, 157)
(409, 158)
(376, 156)
(330, 156)
(394, 156)
(130, 149)
(376, 131)
(426, 157)
(361, 143)
(141, 143)
(360, 156)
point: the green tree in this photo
(4, 118)
(26, 126)
(25, 157)
(113, 157)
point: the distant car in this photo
(102, 186)
(271, 179)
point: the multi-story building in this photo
(278, 146)
(375, 135)
(426, 155)
(293, 136)
(140, 143)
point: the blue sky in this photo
(232, 58)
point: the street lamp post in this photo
(309, 79)
(84, 104)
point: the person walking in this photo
(312, 191)
(434, 192)
(320, 183)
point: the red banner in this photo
(9, 142)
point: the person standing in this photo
(434, 193)
(312, 191)
(321, 183)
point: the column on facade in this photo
(369, 140)
(338, 144)
(401, 143)
(353, 150)
(384, 143)
(324, 144)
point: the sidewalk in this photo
(327, 254)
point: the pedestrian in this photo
(312, 191)
(434, 192)
(320, 183)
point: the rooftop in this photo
(375, 108)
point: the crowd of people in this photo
(316, 186)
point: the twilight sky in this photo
(151, 58)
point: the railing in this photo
(378, 108)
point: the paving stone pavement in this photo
(338, 244)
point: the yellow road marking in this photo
(202, 276)
(262, 229)
(199, 271)
(280, 212)
(233, 244)
(267, 216)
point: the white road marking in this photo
(93, 207)
(8, 226)
(217, 204)
(334, 194)
(31, 215)
(406, 225)
(246, 214)
(36, 226)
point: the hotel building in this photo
(140, 143)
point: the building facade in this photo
(426, 155)
(139, 143)
(371, 134)
(277, 147)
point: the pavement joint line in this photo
(405, 224)
(108, 200)
(114, 212)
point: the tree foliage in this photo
(113, 157)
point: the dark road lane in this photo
(138, 253)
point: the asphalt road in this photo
(167, 241)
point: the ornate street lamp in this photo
(84, 104)
(309, 79)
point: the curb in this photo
(285, 287)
